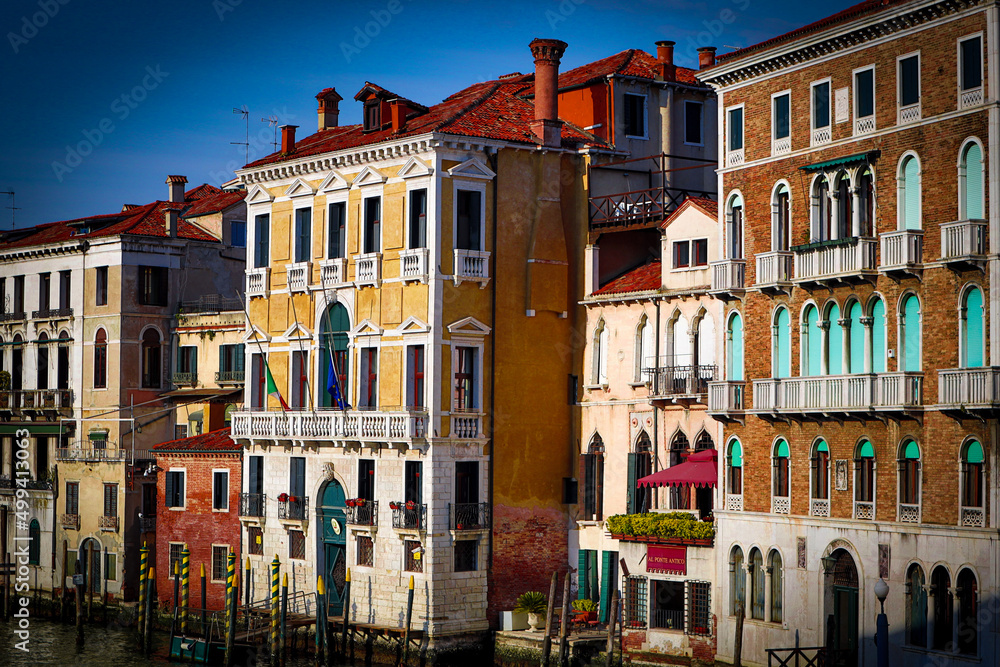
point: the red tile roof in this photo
(644, 278)
(854, 12)
(633, 63)
(214, 441)
(709, 206)
(215, 203)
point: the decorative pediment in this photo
(366, 328)
(468, 326)
(413, 325)
(415, 167)
(334, 182)
(259, 195)
(368, 176)
(297, 332)
(472, 168)
(300, 188)
(254, 334)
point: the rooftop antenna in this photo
(11, 207)
(272, 121)
(243, 111)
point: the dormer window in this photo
(373, 115)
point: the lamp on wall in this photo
(882, 624)
(829, 562)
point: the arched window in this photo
(879, 350)
(777, 586)
(101, 359)
(17, 363)
(909, 482)
(916, 607)
(822, 214)
(968, 610)
(599, 366)
(820, 463)
(151, 359)
(972, 324)
(734, 468)
(639, 465)
(34, 542)
(780, 464)
(864, 481)
(680, 496)
(42, 376)
(845, 207)
(834, 341)
(971, 183)
(866, 204)
(908, 194)
(734, 348)
(781, 221)
(704, 350)
(756, 584)
(943, 608)
(737, 582)
(644, 355)
(592, 465)
(680, 341)
(335, 381)
(782, 343)
(972, 484)
(704, 441)
(855, 333)
(812, 343)
(62, 361)
(734, 228)
(909, 333)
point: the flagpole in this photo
(260, 349)
(312, 402)
(342, 404)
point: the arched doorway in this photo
(843, 579)
(90, 563)
(333, 544)
(333, 339)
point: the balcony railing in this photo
(835, 260)
(970, 98)
(864, 125)
(253, 504)
(413, 264)
(728, 276)
(973, 517)
(324, 426)
(184, 379)
(147, 524)
(258, 281)
(13, 317)
(902, 250)
(774, 270)
(70, 521)
(726, 399)
(298, 276)
(466, 425)
(679, 380)
(780, 504)
(637, 208)
(108, 524)
(36, 399)
(368, 269)
(735, 158)
(667, 619)
(909, 513)
(229, 377)
(333, 272)
(781, 146)
(210, 303)
(909, 114)
(969, 388)
(819, 507)
(963, 241)
(734, 502)
(363, 515)
(52, 314)
(864, 510)
(838, 393)
(409, 515)
(821, 135)
(30, 485)
(472, 266)
(294, 510)
(469, 516)
(98, 454)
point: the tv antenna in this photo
(12, 207)
(272, 121)
(243, 111)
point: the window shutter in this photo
(239, 361)
(605, 584)
(581, 574)
(600, 487)
(633, 460)
(973, 182)
(911, 184)
(223, 366)
(169, 493)
(180, 489)
(586, 489)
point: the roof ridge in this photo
(496, 85)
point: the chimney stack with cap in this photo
(288, 138)
(547, 126)
(706, 57)
(665, 58)
(329, 108)
(175, 188)
(170, 217)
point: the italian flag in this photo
(272, 389)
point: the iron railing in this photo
(71, 521)
(363, 515)
(183, 379)
(294, 510)
(818, 656)
(409, 515)
(229, 377)
(679, 380)
(30, 485)
(669, 619)
(13, 317)
(253, 504)
(210, 303)
(52, 314)
(108, 524)
(638, 207)
(91, 454)
(469, 516)
(147, 524)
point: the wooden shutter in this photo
(632, 496)
(605, 584)
(588, 490)
(581, 574)
(600, 487)
(169, 493)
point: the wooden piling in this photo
(547, 640)
(79, 607)
(612, 619)
(409, 616)
(347, 613)
(320, 634)
(147, 640)
(90, 579)
(230, 606)
(564, 625)
(738, 646)
(275, 567)
(284, 618)
(246, 585)
(143, 576)
(204, 602)
(62, 585)
(185, 586)
(104, 597)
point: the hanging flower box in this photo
(411, 505)
(283, 498)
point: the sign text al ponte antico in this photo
(666, 559)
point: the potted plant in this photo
(293, 499)
(359, 502)
(584, 611)
(411, 505)
(394, 506)
(534, 604)
(283, 498)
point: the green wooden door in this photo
(845, 623)
(332, 512)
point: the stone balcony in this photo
(37, 401)
(413, 264)
(728, 278)
(405, 428)
(258, 281)
(838, 394)
(472, 266)
(368, 269)
(832, 262)
(299, 276)
(964, 242)
(902, 251)
(726, 400)
(967, 389)
(774, 271)
(333, 272)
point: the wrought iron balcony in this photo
(30, 485)
(902, 251)
(843, 260)
(726, 400)
(13, 317)
(413, 264)
(92, 454)
(333, 426)
(253, 504)
(368, 269)
(37, 400)
(258, 281)
(728, 277)
(774, 270)
(210, 303)
(333, 272)
(294, 510)
(229, 377)
(409, 515)
(472, 266)
(52, 314)
(70, 521)
(469, 516)
(182, 379)
(364, 514)
(969, 388)
(964, 242)
(832, 394)
(299, 276)
(147, 524)
(108, 524)
(668, 382)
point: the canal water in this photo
(55, 644)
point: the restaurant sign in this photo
(672, 560)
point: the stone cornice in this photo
(37, 252)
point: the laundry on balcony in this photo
(700, 470)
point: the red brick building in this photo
(197, 502)
(861, 387)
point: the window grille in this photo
(635, 601)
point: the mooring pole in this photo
(204, 602)
(564, 626)
(79, 606)
(62, 586)
(185, 587)
(91, 570)
(613, 610)
(547, 640)
(320, 634)
(177, 585)
(143, 575)
(347, 613)
(246, 585)
(230, 607)
(284, 616)
(147, 642)
(104, 599)
(409, 615)
(275, 567)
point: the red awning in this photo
(698, 470)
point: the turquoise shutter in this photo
(911, 188)
(974, 329)
(632, 477)
(223, 367)
(857, 341)
(784, 344)
(835, 343)
(581, 575)
(911, 324)
(878, 337)
(605, 584)
(973, 182)
(815, 345)
(736, 348)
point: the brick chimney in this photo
(329, 108)
(706, 57)
(665, 58)
(288, 138)
(547, 126)
(175, 188)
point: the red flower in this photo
(360, 502)
(394, 506)
(293, 499)
(350, 502)
(283, 498)
(410, 505)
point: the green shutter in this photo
(973, 182)
(736, 454)
(835, 342)
(867, 451)
(633, 460)
(857, 340)
(781, 450)
(784, 344)
(169, 493)
(911, 451)
(735, 361)
(581, 575)
(222, 358)
(911, 333)
(605, 584)
(822, 447)
(974, 316)
(911, 194)
(815, 342)
(974, 452)
(878, 337)
(593, 589)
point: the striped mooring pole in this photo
(143, 573)
(230, 607)
(185, 586)
(275, 570)
(320, 622)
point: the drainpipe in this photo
(656, 424)
(493, 161)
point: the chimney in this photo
(175, 188)
(706, 57)
(329, 108)
(398, 109)
(288, 138)
(547, 126)
(170, 216)
(665, 58)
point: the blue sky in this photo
(103, 98)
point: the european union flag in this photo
(333, 387)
